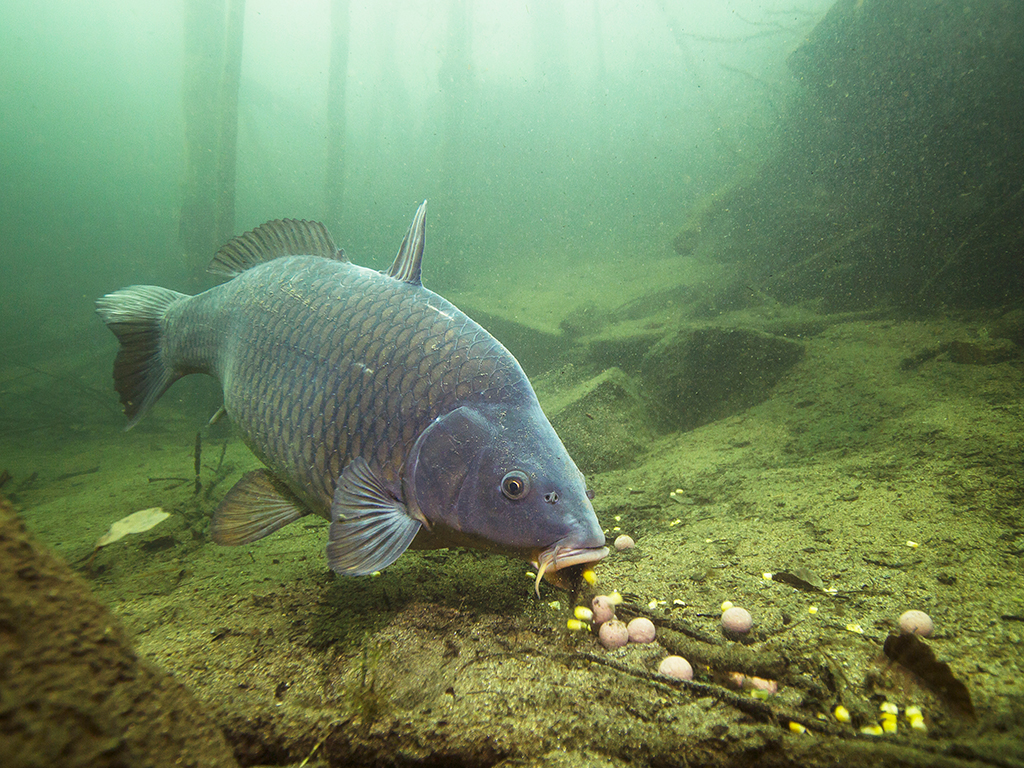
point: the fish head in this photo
(498, 478)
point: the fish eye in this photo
(515, 485)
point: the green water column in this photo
(211, 73)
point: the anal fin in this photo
(370, 529)
(256, 506)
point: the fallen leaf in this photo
(137, 522)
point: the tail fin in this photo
(141, 374)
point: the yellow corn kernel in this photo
(726, 605)
(575, 625)
(615, 598)
(590, 577)
(915, 717)
(872, 730)
(582, 613)
(795, 727)
(812, 609)
(842, 714)
(888, 708)
(889, 724)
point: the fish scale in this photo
(416, 357)
(371, 400)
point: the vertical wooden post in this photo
(212, 70)
(455, 80)
(334, 183)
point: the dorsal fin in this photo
(407, 263)
(282, 237)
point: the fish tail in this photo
(142, 371)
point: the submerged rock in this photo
(74, 691)
(603, 421)
(697, 375)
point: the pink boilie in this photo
(603, 608)
(737, 620)
(916, 623)
(677, 667)
(641, 630)
(613, 634)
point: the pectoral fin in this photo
(370, 529)
(256, 506)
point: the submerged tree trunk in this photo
(212, 70)
(455, 80)
(334, 184)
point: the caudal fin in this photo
(141, 374)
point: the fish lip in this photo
(557, 556)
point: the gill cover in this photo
(443, 458)
(497, 477)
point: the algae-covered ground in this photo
(884, 469)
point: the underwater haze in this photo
(762, 264)
(567, 127)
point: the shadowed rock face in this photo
(654, 380)
(699, 375)
(604, 420)
(74, 693)
(893, 181)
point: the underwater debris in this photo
(981, 352)
(76, 473)
(802, 579)
(137, 522)
(198, 455)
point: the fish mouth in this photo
(551, 561)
